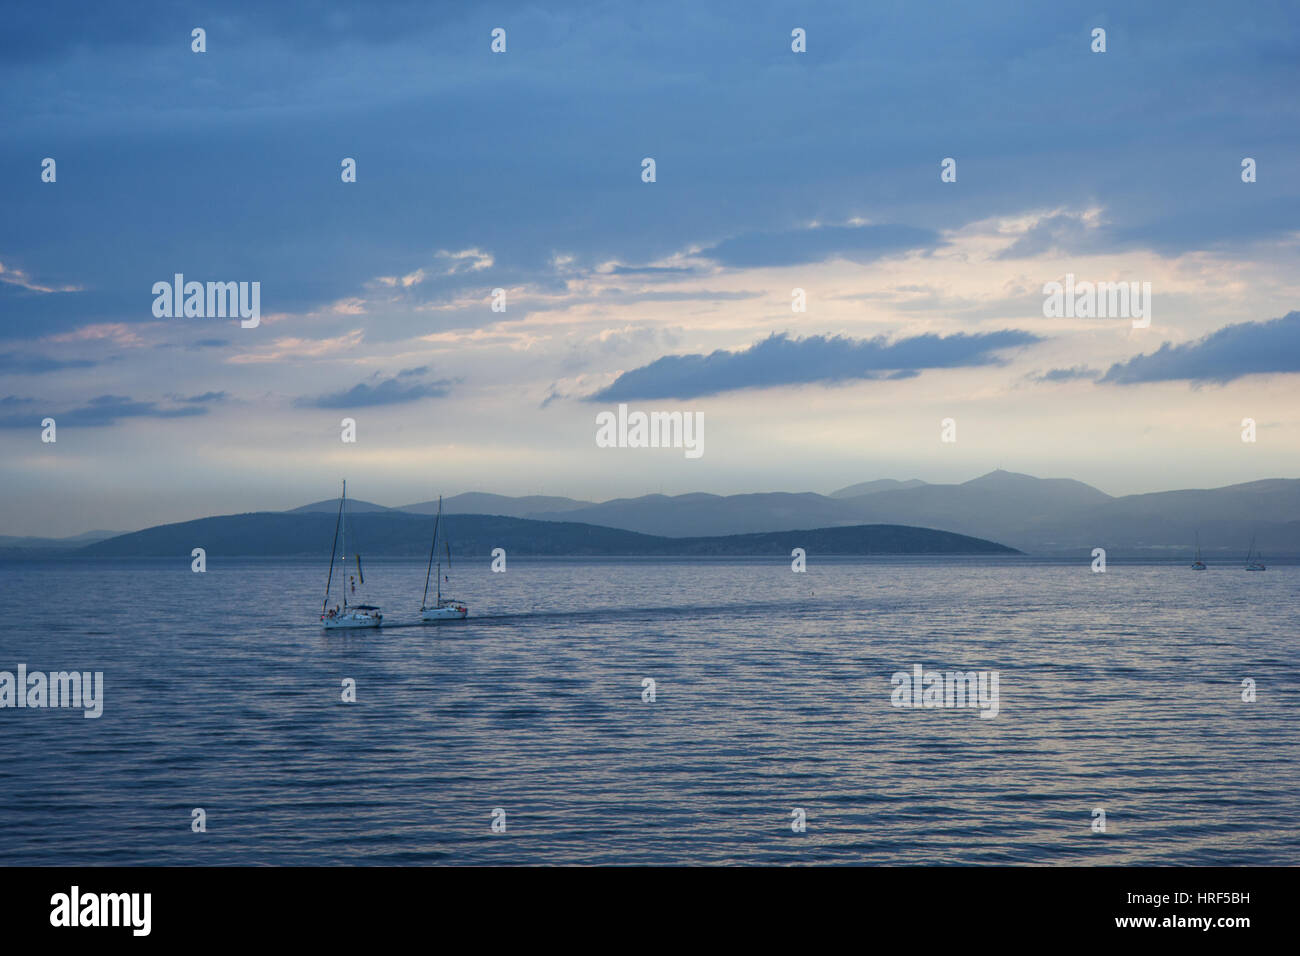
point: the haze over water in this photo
(1119, 690)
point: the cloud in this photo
(1067, 374)
(101, 411)
(406, 281)
(12, 276)
(204, 398)
(115, 333)
(698, 295)
(648, 271)
(466, 260)
(828, 146)
(820, 243)
(394, 390)
(352, 305)
(293, 347)
(780, 360)
(453, 263)
(14, 363)
(1248, 348)
(1062, 232)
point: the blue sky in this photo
(522, 171)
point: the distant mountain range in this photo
(10, 542)
(392, 533)
(871, 487)
(471, 503)
(1037, 515)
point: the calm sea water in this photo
(1119, 691)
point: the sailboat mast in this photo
(424, 602)
(333, 551)
(343, 523)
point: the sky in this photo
(522, 171)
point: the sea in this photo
(646, 712)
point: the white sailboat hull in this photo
(352, 619)
(444, 609)
(359, 615)
(447, 612)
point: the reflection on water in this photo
(1120, 691)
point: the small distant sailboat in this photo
(1198, 564)
(1256, 564)
(346, 615)
(443, 609)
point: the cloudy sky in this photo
(522, 171)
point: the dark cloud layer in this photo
(225, 165)
(780, 360)
(98, 412)
(1248, 348)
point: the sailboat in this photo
(1257, 564)
(1198, 564)
(346, 615)
(443, 609)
